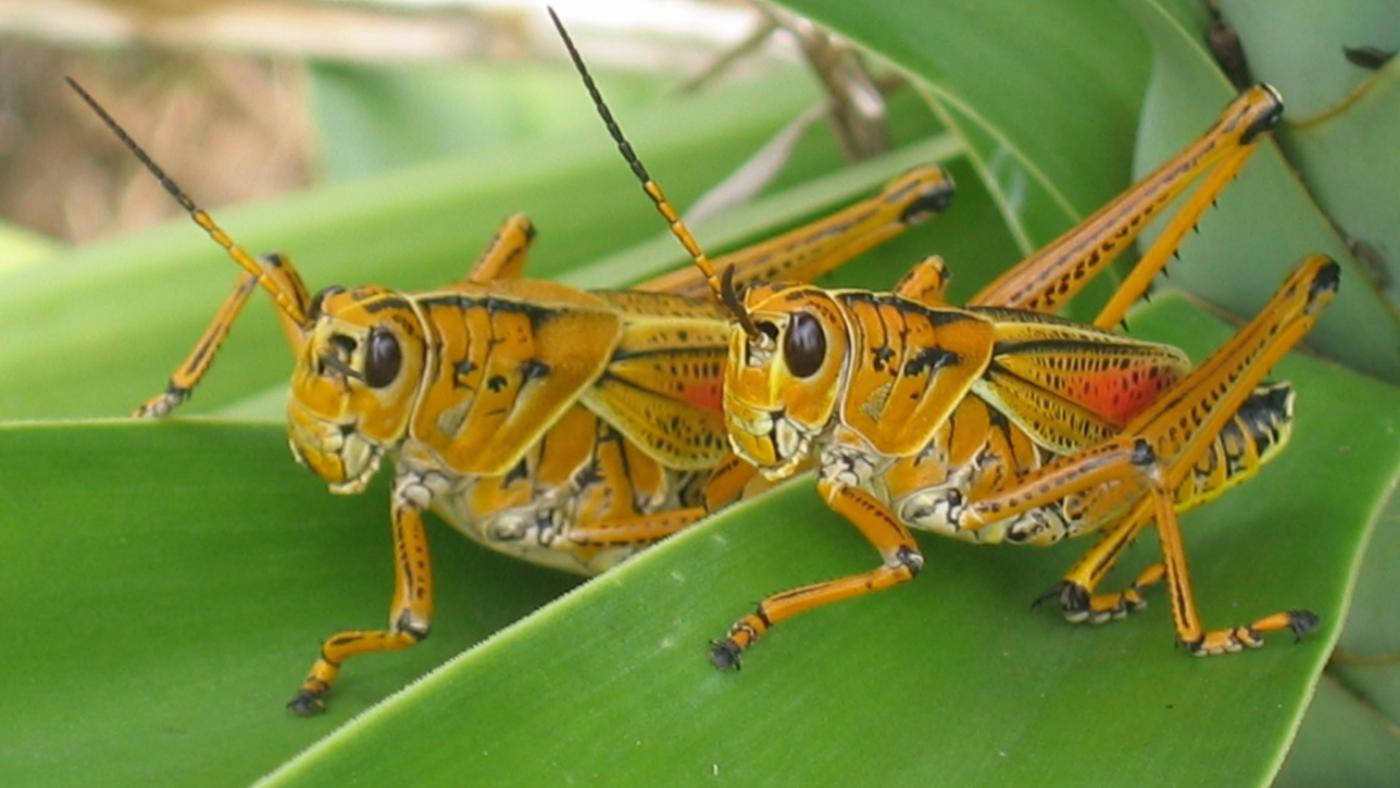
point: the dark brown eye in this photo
(382, 359)
(804, 347)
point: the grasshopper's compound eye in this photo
(382, 359)
(804, 347)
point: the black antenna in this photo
(723, 289)
(238, 254)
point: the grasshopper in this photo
(566, 427)
(1001, 422)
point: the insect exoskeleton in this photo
(355, 383)
(786, 379)
(1000, 422)
(570, 428)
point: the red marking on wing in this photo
(705, 396)
(1118, 395)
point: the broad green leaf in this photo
(1340, 115)
(1063, 106)
(168, 585)
(1373, 630)
(1346, 164)
(456, 108)
(1341, 743)
(1366, 663)
(612, 682)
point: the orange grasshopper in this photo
(1000, 422)
(565, 427)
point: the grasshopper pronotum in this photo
(567, 427)
(1000, 422)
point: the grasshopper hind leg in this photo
(1258, 431)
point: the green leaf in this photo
(1299, 47)
(456, 108)
(168, 584)
(20, 247)
(1341, 743)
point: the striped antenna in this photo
(723, 287)
(285, 301)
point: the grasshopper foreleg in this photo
(410, 613)
(902, 563)
(192, 369)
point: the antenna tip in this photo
(73, 83)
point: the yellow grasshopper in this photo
(566, 427)
(1000, 422)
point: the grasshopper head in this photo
(355, 383)
(782, 382)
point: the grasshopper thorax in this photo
(782, 383)
(355, 383)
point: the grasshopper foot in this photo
(724, 654)
(1079, 606)
(307, 703)
(1230, 641)
(1301, 622)
(162, 403)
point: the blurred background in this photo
(241, 100)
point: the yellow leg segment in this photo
(410, 613)
(902, 562)
(1054, 274)
(1184, 423)
(728, 481)
(926, 282)
(1075, 591)
(185, 376)
(1155, 258)
(635, 530)
(504, 256)
(1189, 630)
(1117, 459)
(809, 251)
(276, 270)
